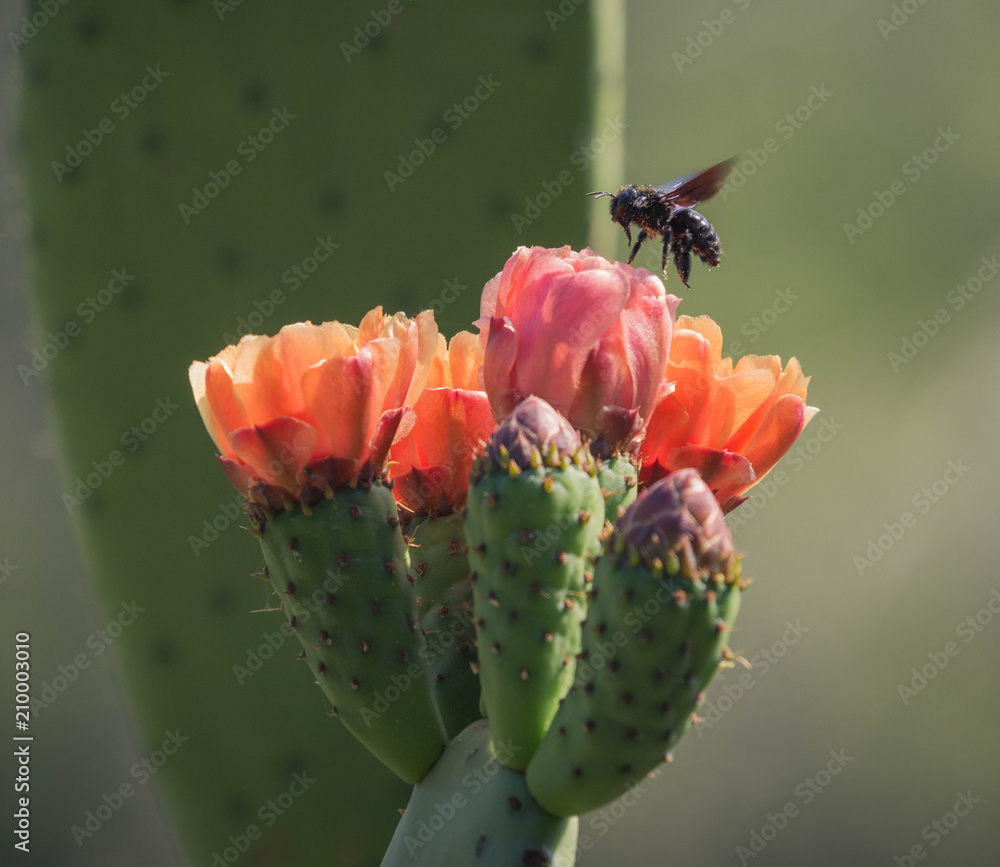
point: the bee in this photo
(667, 212)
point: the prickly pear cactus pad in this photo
(342, 572)
(444, 596)
(533, 518)
(473, 810)
(664, 598)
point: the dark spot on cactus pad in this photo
(334, 712)
(515, 803)
(221, 601)
(538, 50)
(589, 725)
(547, 637)
(600, 629)
(512, 615)
(613, 666)
(290, 588)
(293, 544)
(645, 636)
(161, 651)
(626, 768)
(389, 567)
(153, 141)
(37, 74)
(354, 683)
(354, 510)
(330, 599)
(588, 688)
(254, 94)
(324, 636)
(628, 699)
(632, 734)
(331, 201)
(376, 608)
(578, 771)
(536, 857)
(392, 521)
(524, 674)
(403, 656)
(230, 261)
(90, 28)
(293, 621)
(668, 735)
(628, 594)
(496, 647)
(320, 667)
(480, 845)
(364, 645)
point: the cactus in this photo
(444, 600)
(342, 569)
(533, 518)
(471, 809)
(664, 599)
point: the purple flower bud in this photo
(679, 514)
(533, 427)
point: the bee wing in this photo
(687, 190)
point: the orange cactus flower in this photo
(731, 423)
(430, 465)
(315, 406)
(588, 335)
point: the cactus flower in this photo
(315, 405)
(430, 464)
(588, 335)
(732, 423)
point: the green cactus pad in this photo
(619, 481)
(532, 534)
(651, 644)
(444, 607)
(342, 572)
(471, 810)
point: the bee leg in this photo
(666, 249)
(682, 256)
(638, 244)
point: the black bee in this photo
(667, 211)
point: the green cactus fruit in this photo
(533, 517)
(618, 478)
(471, 810)
(342, 571)
(664, 599)
(444, 607)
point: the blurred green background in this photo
(830, 112)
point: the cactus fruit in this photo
(341, 569)
(664, 598)
(533, 517)
(444, 608)
(470, 809)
